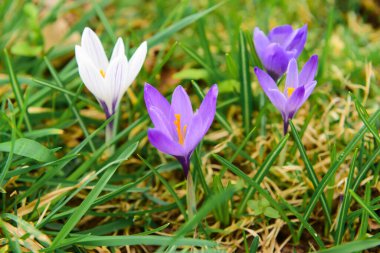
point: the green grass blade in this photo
(341, 158)
(254, 245)
(65, 92)
(91, 197)
(166, 33)
(364, 117)
(167, 186)
(17, 91)
(311, 230)
(363, 171)
(28, 148)
(70, 102)
(342, 215)
(206, 208)
(261, 173)
(8, 163)
(365, 206)
(246, 96)
(199, 60)
(139, 240)
(355, 246)
(218, 116)
(310, 170)
(257, 187)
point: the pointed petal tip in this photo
(147, 85)
(214, 89)
(314, 57)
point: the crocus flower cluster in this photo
(107, 80)
(278, 53)
(298, 87)
(177, 129)
(275, 50)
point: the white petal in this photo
(115, 78)
(118, 50)
(91, 77)
(94, 49)
(135, 64)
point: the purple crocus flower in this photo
(275, 50)
(298, 88)
(177, 129)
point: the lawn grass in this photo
(318, 185)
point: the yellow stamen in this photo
(103, 73)
(290, 91)
(180, 133)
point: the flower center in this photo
(181, 133)
(102, 73)
(290, 91)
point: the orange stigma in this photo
(290, 91)
(180, 133)
(103, 73)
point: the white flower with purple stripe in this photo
(107, 80)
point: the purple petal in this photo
(181, 105)
(194, 133)
(154, 98)
(265, 80)
(260, 41)
(160, 121)
(291, 75)
(164, 143)
(275, 60)
(208, 107)
(298, 41)
(278, 99)
(280, 34)
(308, 90)
(295, 101)
(309, 70)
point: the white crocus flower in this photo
(107, 80)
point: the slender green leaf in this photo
(341, 158)
(354, 246)
(261, 173)
(28, 148)
(91, 197)
(257, 187)
(166, 33)
(310, 170)
(342, 215)
(365, 206)
(246, 96)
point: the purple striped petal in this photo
(294, 102)
(297, 43)
(280, 34)
(261, 42)
(308, 90)
(195, 133)
(208, 107)
(181, 104)
(164, 143)
(265, 80)
(309, 70)
(278, 99)
(154, 98)
(275, 60)
(160, 121)
(291, 76)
